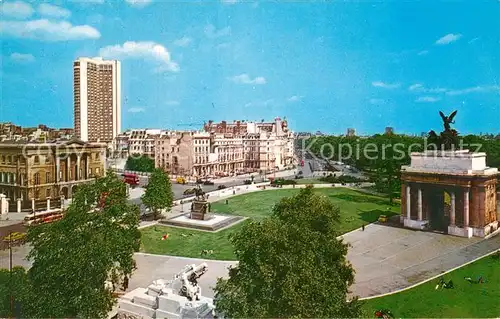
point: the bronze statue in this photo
(447, 120)
(448, 138)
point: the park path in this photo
(385, 258)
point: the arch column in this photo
(452, 208)
(408, 202)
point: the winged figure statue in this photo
(447, 120)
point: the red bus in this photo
(131, 179)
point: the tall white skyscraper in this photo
(97, 99)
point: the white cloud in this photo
(229, 1)
(295, 98)
(16, 9)
(141, 50)
(473, 40)
(449, 38)
(212, 32)
(136, 110)
(53, 11)
(386, 85)
(138, 3)
(427, 99)
(183, 42)
(415, 87)
(172, 103)
(476, 89)
(377, 101)
(420, 88)
(245, 79)
(22, 57)
(46, 30)
(424, 52)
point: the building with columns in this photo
(48, 170)
(450, 191)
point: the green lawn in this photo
(356, 209)
(465, 300)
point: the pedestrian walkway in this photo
(385, 259)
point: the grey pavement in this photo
(385, 258)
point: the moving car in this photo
(180, 180)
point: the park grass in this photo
(356, 209)
(465, 300)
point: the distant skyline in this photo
(325, 66)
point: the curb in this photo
(188, 258)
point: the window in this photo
(47, 193)
(47, 177)
(97, 171)
(36, 178)
(37, 159)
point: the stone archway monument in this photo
(449, 190)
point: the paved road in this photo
(179, 189)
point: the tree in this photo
(17, 286)
(158, 194)
(140, 163)
(74, 257)
(290, 265)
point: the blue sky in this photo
(325, 66)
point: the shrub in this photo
(343, 179)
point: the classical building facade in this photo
(453, 192)
(48, 170)
(97, 99)
(224, 149)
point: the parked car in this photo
(208, 183)
(190, 191)
(181, 180)
(221, 186)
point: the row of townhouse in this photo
(220, 149)
(136, 142)
(223, 149)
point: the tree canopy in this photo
(291, 265)
(74, 257)
(158, 194)
(140, 163)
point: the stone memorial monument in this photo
(177, 298)
(449, 190)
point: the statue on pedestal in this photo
(448, 139)
(199, 206)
